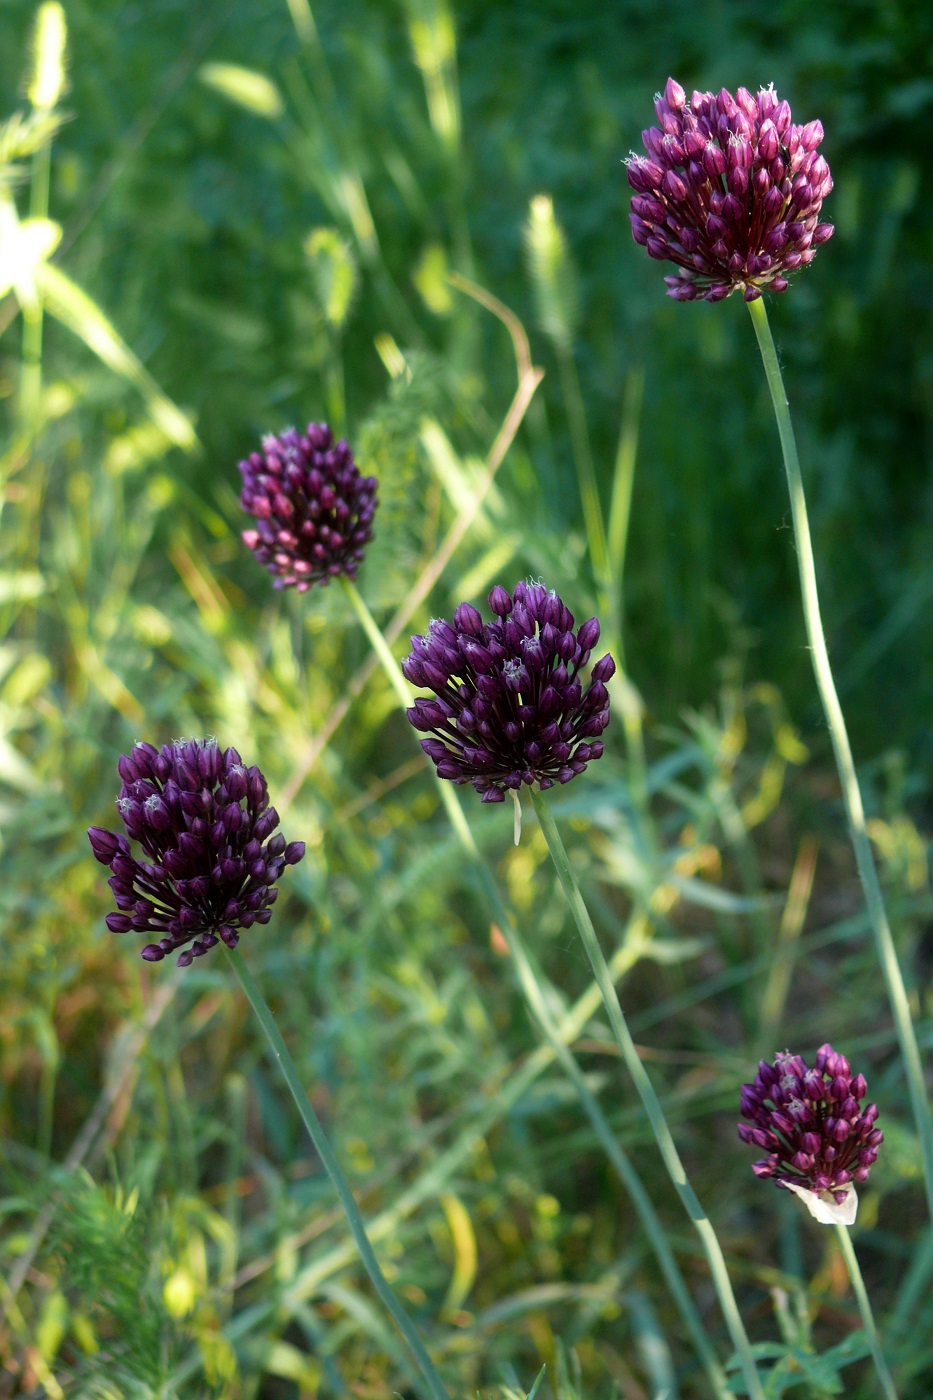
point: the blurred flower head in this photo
(313, 509)
(510, 707)
(729, 191)
(818, 1135)
(205, 826)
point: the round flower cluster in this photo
(205, 826)
(313, 509)
(817, 1134)
(730, 191)
(510, 707)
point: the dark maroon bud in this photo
(727, 232)
(673, 186)
(266, 824)
(507, 684)
(313, 508)
(236, 781)
(641, 231)
(500, 602)
(467, 619)
(127, 769)
(674, 95)
(822, 1143)
(174, 896)
(104, 844)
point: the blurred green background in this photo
(275, 248)
(184, 217)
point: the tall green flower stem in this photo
(646, 1092)
(864, 1307)
(845, 765)
(433, 1385)
(537, 1003)
(627, 1174)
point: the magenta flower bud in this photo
(721, 241)
(674, 95)
(313, 509)
(588, 635)
(510, 708)
(822, 1140)
(104, 844)
(184, 806)
(500, 601)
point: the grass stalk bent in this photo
(845, 764)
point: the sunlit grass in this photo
(273, 243)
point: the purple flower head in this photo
(211, 862)
(510, 707)
(819, 1136)
(729, 190)
(314, 511)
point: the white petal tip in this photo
(823, 1205)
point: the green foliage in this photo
(247, 221)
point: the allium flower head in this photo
(818, 1135)
(730, 191)
(205, 826)
(510, 707)
(313, 509)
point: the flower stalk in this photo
(845, 764)
(537, 1004)
(864, 1307)
(662, 1133)
(433, 1385)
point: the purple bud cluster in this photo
(730, 191)
(205, 826)
(811, 1123)
(313, 509)
(510, 707)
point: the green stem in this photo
(379, 644)
(845, 765)
(864, 1307)
(630, 1179)
(537, 1003)
(434, 1387)
(649, 1098)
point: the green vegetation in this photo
(216, 220)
